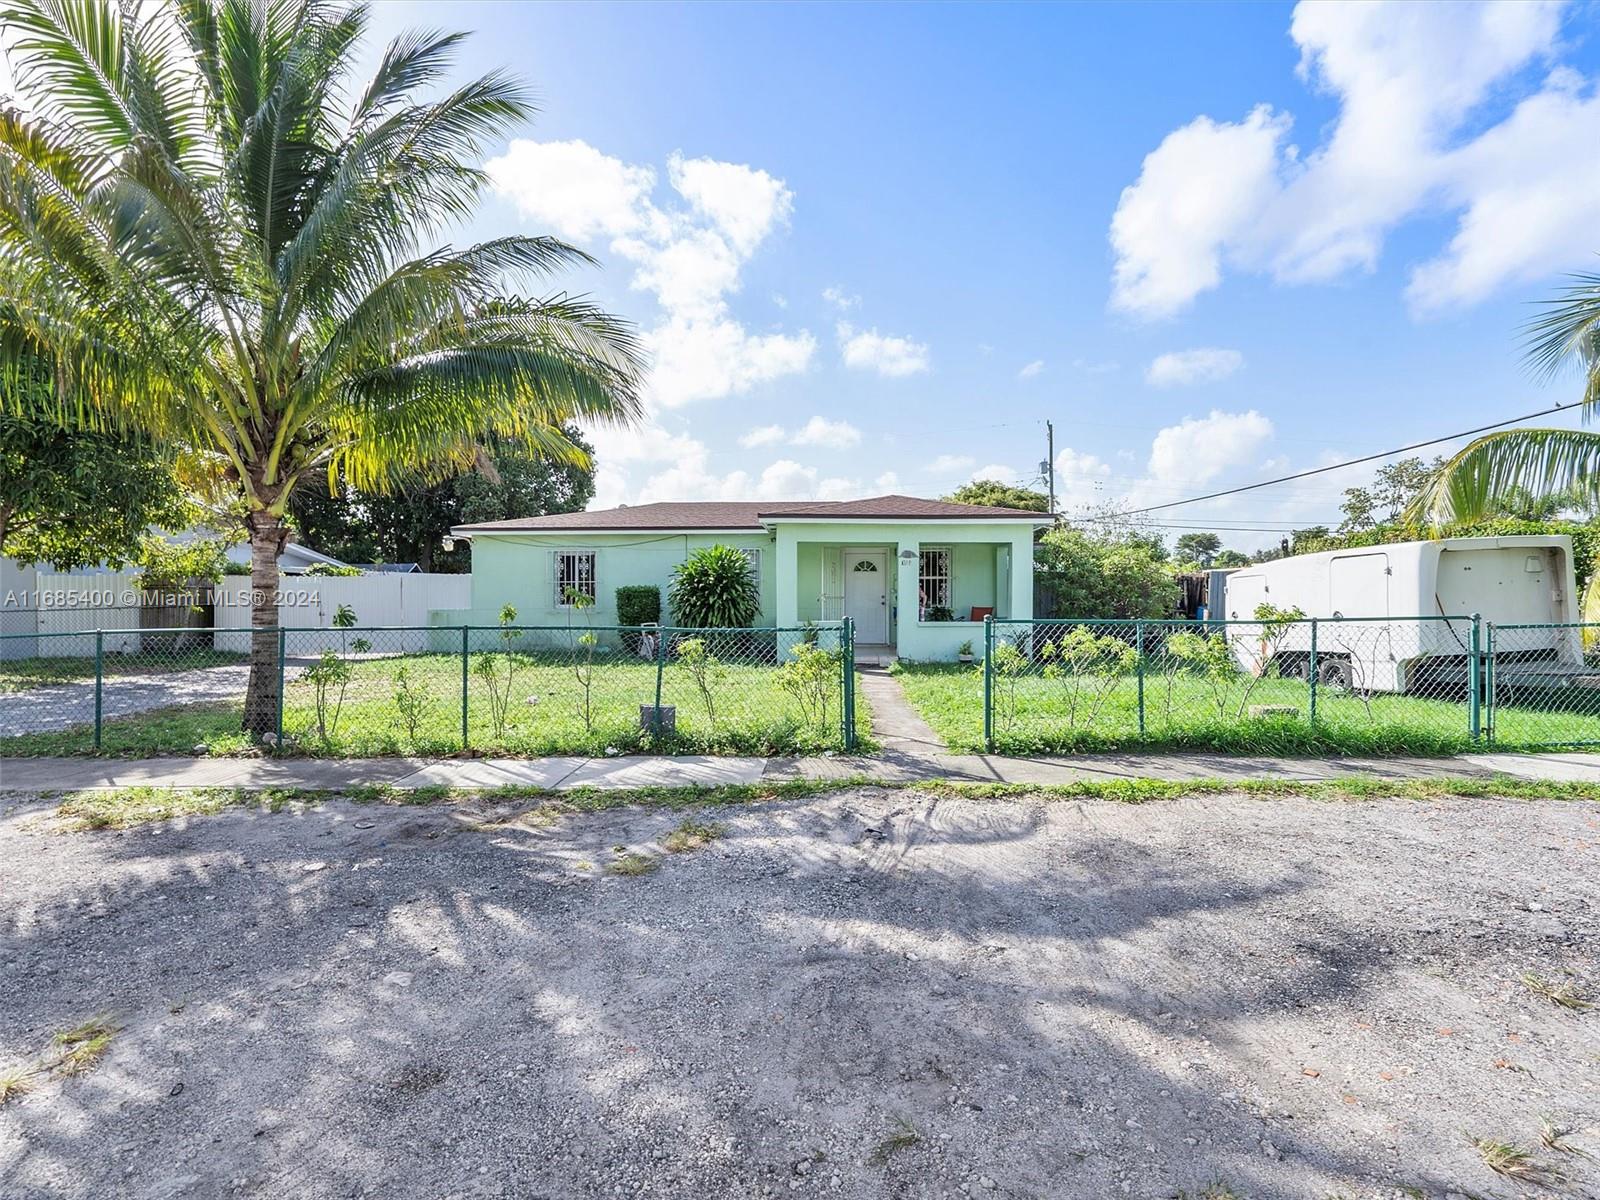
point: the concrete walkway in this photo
(70, 774)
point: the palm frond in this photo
(1568, 334)
(413, 61)
(1538, 461)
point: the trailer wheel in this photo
(1334, 672)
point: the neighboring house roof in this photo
(752, 515)
(390, 568)
(293, 560)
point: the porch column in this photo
(786, 578)
(1022, 576)
(907, 583)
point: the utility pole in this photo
(1049, 471)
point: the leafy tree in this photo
(224, 240)
(408, 524)
(1000, 495)
(1230, 558)
(1395, 486)
(1542, 462)
(1089, 577)
(1198, 547)
(77, 497)
(714, 588)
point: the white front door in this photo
(866, 594)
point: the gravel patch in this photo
(43, 709)
(874, 994)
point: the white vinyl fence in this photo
(35, 604)
(310, 602)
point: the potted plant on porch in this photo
(964, 651)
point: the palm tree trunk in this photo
(267, 533)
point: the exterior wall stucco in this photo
(518, 569)
(991, 566)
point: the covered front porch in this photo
(912, 593)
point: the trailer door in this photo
(1358, 585)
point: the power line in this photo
(1250, 487)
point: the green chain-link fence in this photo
(1438, 683)
(1543, 685)
(513, 689)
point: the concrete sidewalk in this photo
(70, 774)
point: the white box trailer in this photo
(1365, 595)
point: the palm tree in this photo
(221, 242)
(1523, 463)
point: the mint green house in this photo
(917, 576)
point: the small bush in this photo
(714, 588)
(637, 604)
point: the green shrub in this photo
(714, 588)
(171, 566)
(638, 604)
(334, 569)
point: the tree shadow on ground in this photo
(908, 995)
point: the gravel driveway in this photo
(878, 994)
(43, 709)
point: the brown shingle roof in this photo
(749, 514)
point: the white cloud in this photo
(1081, 480)
(997, 472)
(819, 431)
(1181, 367)
(742, 203)
(1196, 193)
(1032, 369)
(1198, 449)
(1409, 140)
(765, 435)
(888, 482)
(869, 350)
(842, 300)
(1529, 199)
(689, 255)
(578, 192)
(950, 464)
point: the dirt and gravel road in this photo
(872, 993)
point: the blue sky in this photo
(875, 247)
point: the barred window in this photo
(933, 578)
(574, 573)
(752, 555)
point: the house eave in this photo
(1037, 522)
(469, 532)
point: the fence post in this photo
(465, 630)
(1138, 633)
(1488, 684)
(661, 666)
(848, 702)
(988, 683)
(1311, 673)
(99, 682)
(277, 717)
(1475, 682)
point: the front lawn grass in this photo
(545, 709)
(1034, 715)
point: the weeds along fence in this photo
(513, 689)
(1432, 683)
